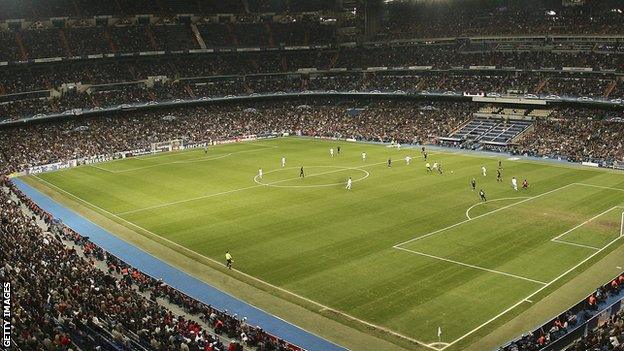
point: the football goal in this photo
(171, 145)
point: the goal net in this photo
(171, 145)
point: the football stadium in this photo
(304, 175)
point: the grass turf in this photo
(354, 251)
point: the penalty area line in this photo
(321, 306)
(472, 266)
(528, 298)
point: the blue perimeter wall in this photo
(189, 285)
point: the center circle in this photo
(276, 184)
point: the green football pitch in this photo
(405, 251)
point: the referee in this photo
(228, 260)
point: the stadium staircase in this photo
(151, 38)
(198, 37)
(334, 59)
(109, 38)
(270, 36)
(611, 87)
(232, 32)
(541, 85)
(65, 42)
(77, 9)
(20, 44)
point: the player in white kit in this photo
(483, 170)
(283, 161)
(260, 173)
(514, 183)
(349, 181)
(364, 156)
(331, 152)
(408, 160)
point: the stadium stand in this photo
(57, 57)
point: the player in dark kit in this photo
(499, 175)
(525, 184)
(389, 162)
(482, 195)
(500, 164)
(338, 149)
(425, 155)
(301, 173)
(473, 183)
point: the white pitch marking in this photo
(582, 224)
(493, 200)
(533, 294)
(366, 175)
(472, 266)
(481, 215)
(600, 186)
(218, 194)
(527, 300)
(321, 306)
(241, 189)
(198, 159)
(574, 244)
(101, 169)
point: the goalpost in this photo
(171, 145)
(622, 224)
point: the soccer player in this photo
(482, 195)
(363, 156)
(428, 166)
(425, 154)
(205, 150)
(349, 181)
(435, 166)
(514, 183)
(338, 149)
(260, 173)
(228, 260)
(484, 171)
(499, 175)
(525, 184)
(331, 152)
(500, 164)
(283, 161)
(301, 173)
(473, 183)
(408, 160)
(389, 162)
(440, 168)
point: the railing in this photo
(587, 318)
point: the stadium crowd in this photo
(459, 82)
(572, 134)
(482, 18)
(35, 144)
(70, 294)
(576, 135)
(608, 336)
